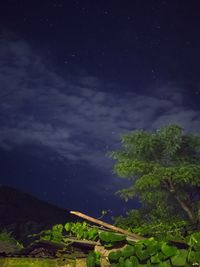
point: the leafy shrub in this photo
(9, 244)
(150, 252)
(60, 233)
(93, 259)
(165, 228)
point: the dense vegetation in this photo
(164, 172)
(146, 252)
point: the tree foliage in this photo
(164, 170)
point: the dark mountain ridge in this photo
(24, 214)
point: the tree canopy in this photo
(164, 170)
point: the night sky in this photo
(76, 75)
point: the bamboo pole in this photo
(130, 235)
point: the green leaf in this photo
(67, 227)
(134, 260)
(168, 250)
(194, 257)
(180, 258)
(153, 248)
(128, 251)
(111, 237)
(194, 241)
(114, 256)
(57, 233)
(162, 256)
(155, 259)
(57, 228)
(86, 235)
(165, 264)
(132, 243)
(91, 260)
(46, 237)
(84, 225)
(121, 262)
(92, 234)
(129, 263)
(141, 251)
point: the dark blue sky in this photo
(75, 75)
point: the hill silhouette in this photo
(23, 214)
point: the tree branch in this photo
(185, 205)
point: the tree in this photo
(163, 167)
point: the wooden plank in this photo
(84, 242)
(71, 241)
(133, 236)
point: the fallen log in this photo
(131, 236)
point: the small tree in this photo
(164, 171)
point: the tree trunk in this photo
(187, 208)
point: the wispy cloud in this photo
(79, 120)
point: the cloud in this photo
(78, 119)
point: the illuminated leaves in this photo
(150, 252)
(163, 166)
